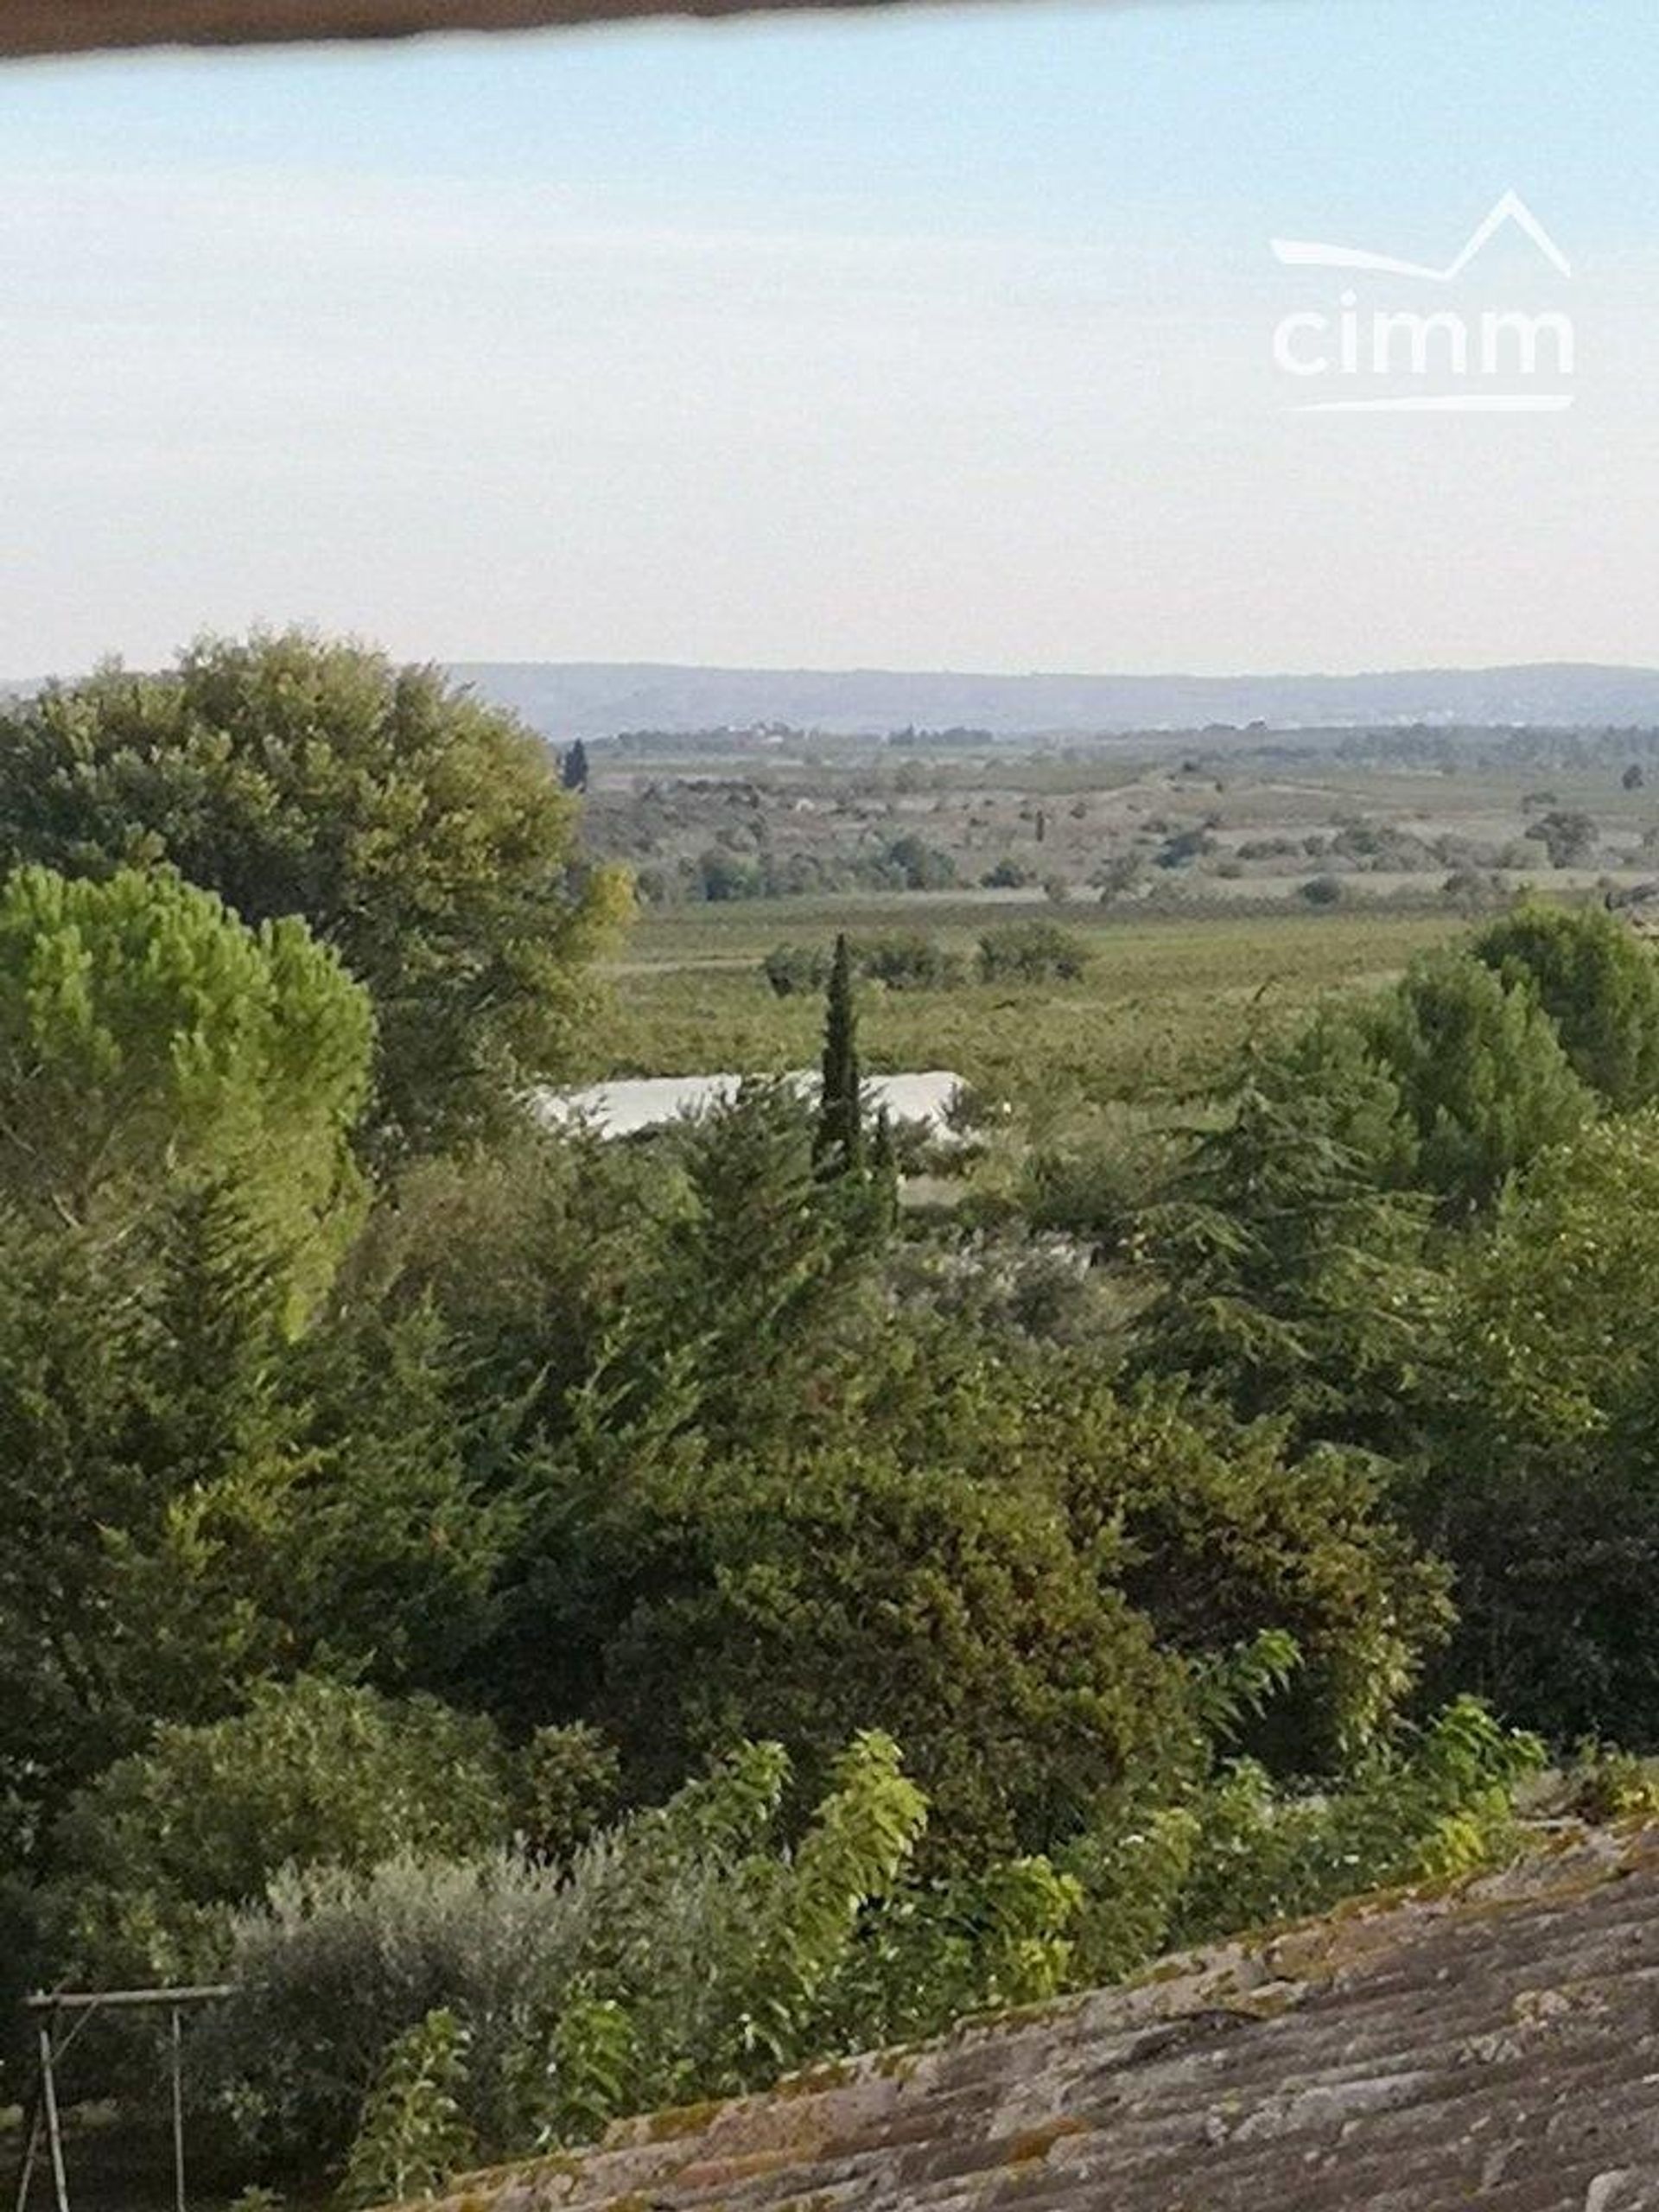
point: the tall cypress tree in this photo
(838, 1146)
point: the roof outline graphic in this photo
(1305, 253)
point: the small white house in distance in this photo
(637, 1103)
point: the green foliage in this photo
(1538, 1477)
(1031, 953)
(1097, 1182)
(722, 876)
(745, 1287)
(1013, 1565)
(903, 960)
(350, 1593)
(153, 1857)
(1008, 874)
(1429, 1809)
(420, 833)
(149, 1040)
(1598, 983)
(884, 1170)
(413, 2134)
(199, 1500)
(566, 1781)
(1292, 1273)
(1603, 1784)
(1236, 1849)
(1485, 1084)
(1567, 834)
(687, 1952)
(795, 971)
(523, 1254)
(802, 1591)
(839, 1142)
(1322, 891)
(919, 865)
(593, 2061)
(907, 960)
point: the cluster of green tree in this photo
(906, 862)
(977, 739)
(1424, 1226)
(1609, 751)
(752, 737)
(910, 960)
(472, 1584)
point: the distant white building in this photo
(637, 1103)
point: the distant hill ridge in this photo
(566, 699)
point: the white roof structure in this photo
(623, 1108)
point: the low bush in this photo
(155, 1856)
(420, 2016)
(1032, 952)
(907, 960)
(685, 1952)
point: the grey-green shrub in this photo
(708, 1939)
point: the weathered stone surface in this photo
(1496, 2046)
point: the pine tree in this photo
(573, 769)
(838, 1147)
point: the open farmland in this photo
(1162, 821)
(1162, 1003)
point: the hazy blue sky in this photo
(915, 339)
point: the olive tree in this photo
(420, 833)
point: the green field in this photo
(1163, 1005)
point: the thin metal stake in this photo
(31, 2144)
(53, 2132)
(178, 2112)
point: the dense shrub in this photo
(1322, 891)
(1008, 874)
(1485, 1082)
(796, 970)
(684, 1952)
(1598, 982)
(1539, 1476)
(907, 961)
(1567, 836)
(919, 865)
(155, 1856)
(1032, 952)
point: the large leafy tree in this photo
(791, 1593)
(1597, 982)
(150, 1042)
(420, 833)
(1540, 1481)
